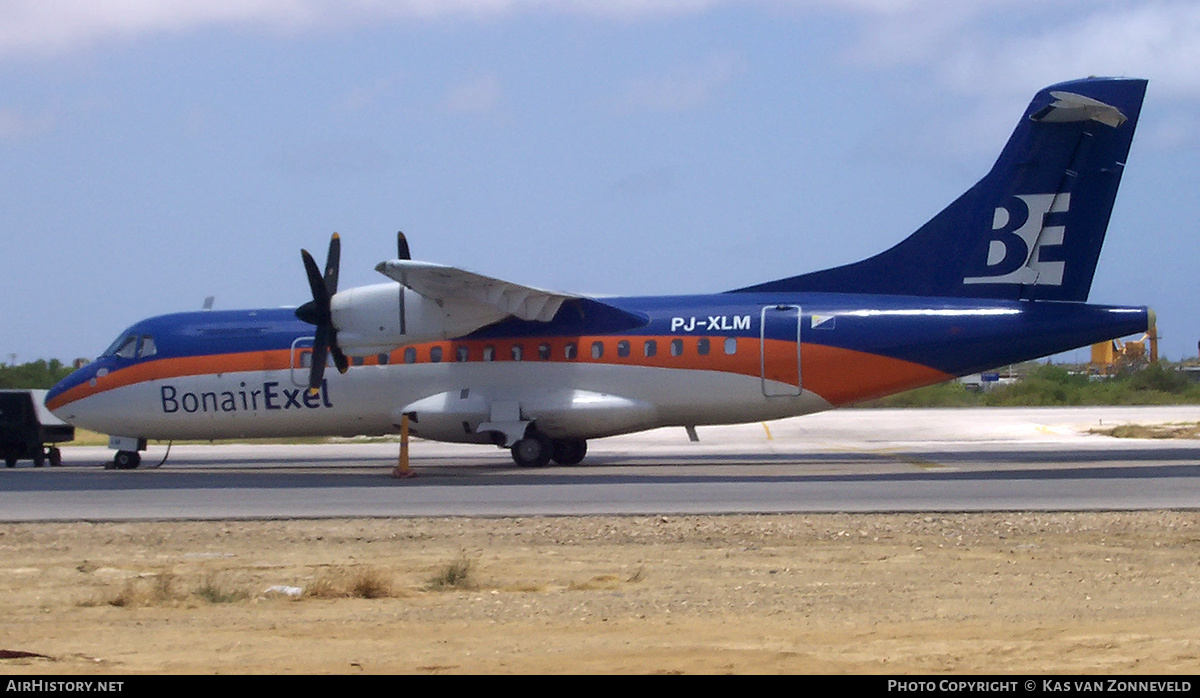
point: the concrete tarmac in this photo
(855, 460)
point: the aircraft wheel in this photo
(39, 457)
(10, 461)
(127, 460)
(54, 455)
(533, 451)
(569, 451)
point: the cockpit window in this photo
(148, 347)
(125, 347)
(132, 346)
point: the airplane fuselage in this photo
(712, 359)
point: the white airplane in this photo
(1000, 276)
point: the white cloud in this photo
(47, 27)
(990, 47)
(1174, 130)
(1156, 41)
(478, 95)
(969, 46)
(53, 26)
(681, 89)
(997, 53)
(361, 97)
(15, 125)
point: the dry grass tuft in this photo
(166, 589)
(600, 581)
(458, 574)
(152, 590)
(1186, 430)
(369, 583)
(213, 591)
(343, 583)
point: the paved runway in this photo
(854, 460)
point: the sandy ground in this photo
(969, 593)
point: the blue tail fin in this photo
(1032, 227)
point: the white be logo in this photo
(1019, 234)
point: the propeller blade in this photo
(332, 263)
(339, 358)
(320, 350)
(320, 301)
(309, 313)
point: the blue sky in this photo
(155, 153)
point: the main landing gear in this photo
(536, 450)
(126, 460)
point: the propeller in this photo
(317, 312)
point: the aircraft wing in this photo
(445, 284)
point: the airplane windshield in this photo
(125, 347)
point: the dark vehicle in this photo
(27, 428)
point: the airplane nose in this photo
(60, 399)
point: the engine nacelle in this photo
(381, 317)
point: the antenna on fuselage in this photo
(208, 302)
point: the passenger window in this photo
(570, 351)
(384, 358)
(357, 360)
(435, 354)
(147, 348)
(489, 353)
(410, 355)
(463, 353)
(623, 348)
(306, 359)
(702, 346)
(731, 345)
(676, 347)
(597, 350)
(517, 352)
(543, 351)
(650, 348)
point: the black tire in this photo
(10, 461)
(126, 460)
(569, 451)
(54, 455)
(533, 451)
(39, 457)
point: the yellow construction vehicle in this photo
(1113, 357)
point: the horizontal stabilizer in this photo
(1068, 106)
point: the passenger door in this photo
(779, 350)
